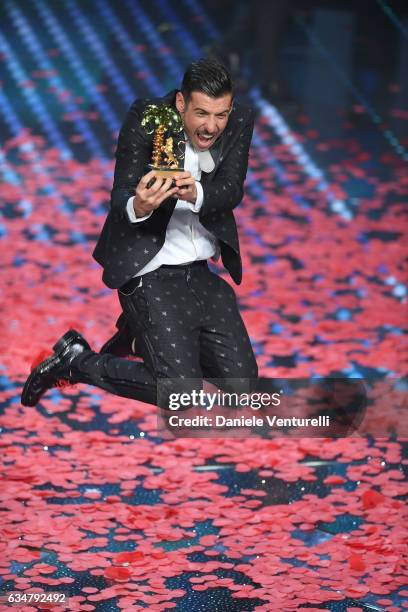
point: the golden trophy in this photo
(163, 122)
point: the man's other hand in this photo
(186, 187)
(147, 198)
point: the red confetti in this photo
(120, 574)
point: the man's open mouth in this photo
(205, 139)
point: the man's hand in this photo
(186, 187)
(148, 199)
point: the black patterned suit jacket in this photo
(124, 248)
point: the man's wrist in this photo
(131, 212)
(134, 207)
(138, 214)
(197, 204)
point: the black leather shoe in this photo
(122, 343)
(55, 368)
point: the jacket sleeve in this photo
(132, 156)
(225, 192)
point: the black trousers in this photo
(186, 324)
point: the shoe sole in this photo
(68, 338)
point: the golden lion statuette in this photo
(162, 120)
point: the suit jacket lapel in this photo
(216, 151)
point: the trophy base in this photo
(164, 172)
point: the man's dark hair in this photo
(208, 76)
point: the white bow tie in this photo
(206, 161)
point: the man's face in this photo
(204, 118)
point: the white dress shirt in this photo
(186, 239)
